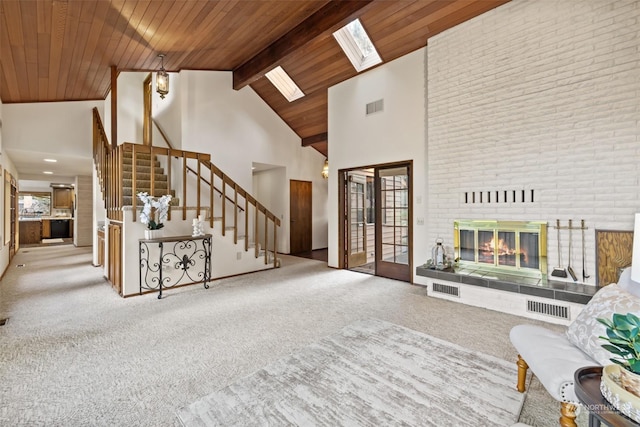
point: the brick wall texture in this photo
(540, 96)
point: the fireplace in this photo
(518, 247)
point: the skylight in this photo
(284, 84)
(357, 45)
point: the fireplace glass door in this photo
(509, 245)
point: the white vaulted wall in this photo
(393, 135)
(238, 129)
(541, 96)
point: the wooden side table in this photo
(587, 388)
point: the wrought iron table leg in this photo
(160, 272)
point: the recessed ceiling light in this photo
(47, 173)
(50, 160)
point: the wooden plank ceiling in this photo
(62, 50)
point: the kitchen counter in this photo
(40, 218)
(34, 229)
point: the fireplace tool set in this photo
(560, 271)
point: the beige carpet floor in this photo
(73, 353)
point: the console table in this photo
(169, 262)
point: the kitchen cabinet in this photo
(30, 232)
(62, 198)
(46, 229)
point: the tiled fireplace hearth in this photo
(552, 301)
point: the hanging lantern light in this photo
(325, 169)
(162, 79)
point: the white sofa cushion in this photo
(551, 357)
(584, 332)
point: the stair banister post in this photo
(275, 245)
(266, 235)
(235, 213)
(169, 152)
(152, 158)
(198, 187)
(134, 175)
(184, 185)
(211, 198)
(255, 236)
(224, 210)
(246, 222)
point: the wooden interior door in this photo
(357, 231)
(300, 215)
(393, 222)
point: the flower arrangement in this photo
(153, 208)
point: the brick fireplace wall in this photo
(543, 97)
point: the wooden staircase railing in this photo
(109, 165)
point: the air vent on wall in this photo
(446, 289)
(548, 309)
(375, 106)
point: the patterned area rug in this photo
(370, 373)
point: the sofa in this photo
(554, 357)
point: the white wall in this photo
(130, 107)
(541, 96)
(237, 128)
(393, 135)
(63, 130)
(7, 165)
(167, 113)
(267, 188)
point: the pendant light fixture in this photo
(162, 79)
(325, 169)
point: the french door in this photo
(393, 208)
(376, 227)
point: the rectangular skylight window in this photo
(357, 45)
(284, 84)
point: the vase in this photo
(630, 381)
(152, 234)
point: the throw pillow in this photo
(585, 330)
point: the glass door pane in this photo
(357, 243)
(393, 259)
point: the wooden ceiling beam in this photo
(327, 19)
(314, 139)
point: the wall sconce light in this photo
(325, 169)
(162, 79)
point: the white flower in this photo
(153, 206)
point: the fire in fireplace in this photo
(515, 246)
